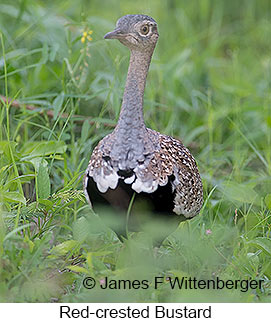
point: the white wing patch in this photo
(105, 177)
(147, 187)
(129, 180)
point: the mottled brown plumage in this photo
(133, 158)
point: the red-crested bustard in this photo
(159, 169)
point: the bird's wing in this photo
(171, 162)
(187, 186)
(100, 169)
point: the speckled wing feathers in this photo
(187, 185)
(169, 158)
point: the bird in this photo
(135, 162)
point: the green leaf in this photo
(37, 161)
(11, 233)
(81, 229)
(240, 193)
(57, 104)
(43, 148)
(42, 179)
(268, 121)
(267, 201)
(53, 52)
(43, 182)
(30, 243)
(44, 54)
(5, 147)
(14, 197)
(64, 247)
(85, 130)
(47, 203)
(262, 243)
(3, 168)
(253, 259)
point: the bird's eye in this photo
(144, 30)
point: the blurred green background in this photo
(209, 85)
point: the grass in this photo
(209, 84)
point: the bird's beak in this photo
(115, 34)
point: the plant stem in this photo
(129, 212)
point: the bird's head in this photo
(138, 32)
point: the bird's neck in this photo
(131, 115)
(131, 132)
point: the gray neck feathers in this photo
(130, 131)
